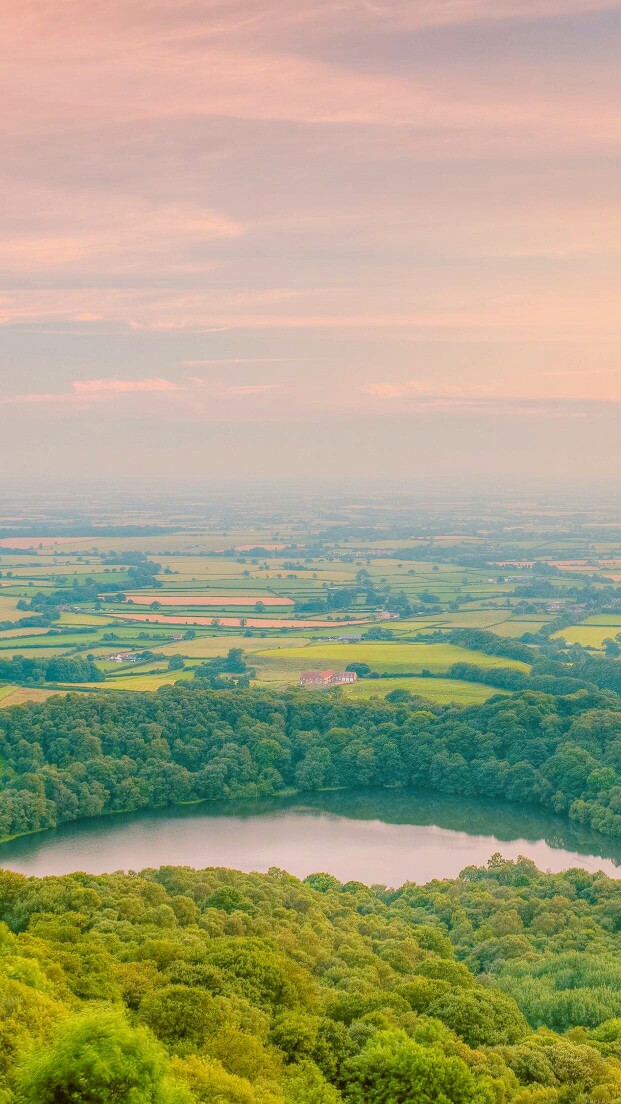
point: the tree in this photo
(211, 1083)
(398, 695)
(478, 1017)
(178, 1013)
(393, 1069)
(97, 1059)
(361, 669)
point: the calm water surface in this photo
(386, 837)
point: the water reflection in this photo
(386, 836)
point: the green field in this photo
(517, 628)
(206, 647)
(8, 607)
(441, 690)
(591, 636)
(412, 658)
(143, 681)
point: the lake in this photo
(386, 837)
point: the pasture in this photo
(444, 691)
(589, 635)
(19, 695)
(411, 658)
(221, 600)
(243, 622)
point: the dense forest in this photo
(87, 754)
(179, 986)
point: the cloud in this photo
(190, 396)
(195, 399)
(570, 395)
(84, 392)
(45, 230)
(259, 63)
(427, 13)
(322, 197)
(252, 389)
(105, 387)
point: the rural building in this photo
(320, 679)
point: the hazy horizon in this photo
(248, 240)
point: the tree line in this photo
(88, 754)
(23, 669)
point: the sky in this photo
(325, 239)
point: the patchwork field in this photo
(323, 582)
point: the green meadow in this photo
(410, 658)
(444, 691)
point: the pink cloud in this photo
(253, 389)
(194, 61)
(99, 387)
(526, 395)
(198, 167)
(96, 390)
(45, 229)
(190, 396)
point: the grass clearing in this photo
(442, 691)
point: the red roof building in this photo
(320, 679)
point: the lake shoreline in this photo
(396, 835)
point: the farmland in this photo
(384, 658)
(294, 591)
(440, 690)
(593, 632)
